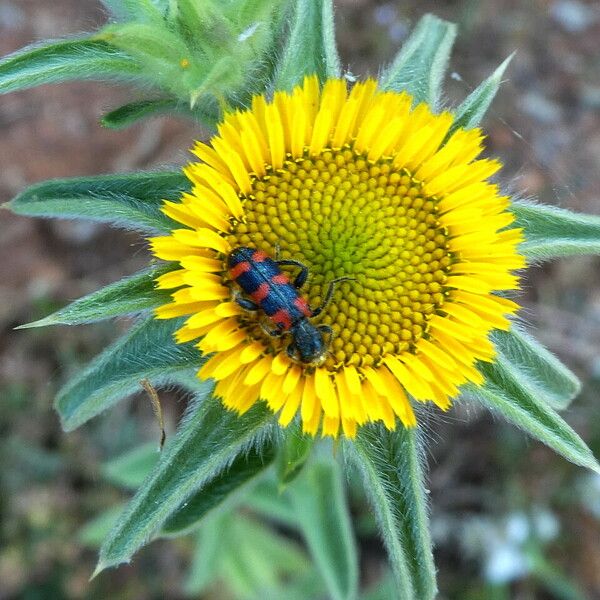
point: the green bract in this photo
(198, 57)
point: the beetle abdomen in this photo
(264, 283)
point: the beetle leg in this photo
(271, 332)
(301, 278)
(291, 351)
(326, 331)
(329, 295)
(245, 303)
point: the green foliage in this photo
(293, 454)
(553, 232)
(65, 61)
(200, 49)
(130, 469)
(505, 393)
(537, 370)
(322, 513)
(125, 297)
(129, 114)
(420, 66)
(391, 465)
(243, 470)
(310, 47)
(148, 351)
(472, 110)
(131, 200)
(203, 57)
(207, 441)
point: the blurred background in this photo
(510, 519)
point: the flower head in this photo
(360, 187)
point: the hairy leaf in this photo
(127, 296)
(470, 112)
(148, 351)
(317, 496)
(131, 200)
(390, 463)
(64, 61)
(553, 232)
(310, 47)
(536, 368)
(420, 66)
(208, 440)
(214, 492)
(505, 394)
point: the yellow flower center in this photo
(345, 216)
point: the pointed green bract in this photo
(131, 201)
(128, 296)
(470, 113)
(505, 394)
(536, 368)
(391, 465)
(207, 441)
(148, 351)
(552, 232)
(322, 513)
(420, 66)
(231, 482)
(66, 61)
(310, 47)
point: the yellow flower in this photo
(358, 185)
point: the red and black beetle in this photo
(268, 289)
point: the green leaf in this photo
(553, 232)
(208, 440)
(148, 351)
(206, 558)
(94, 531)
(391, 465)
(310, 46)
(322, 512)
(505, 394)
(131, 113)
(64, 61)
(258, 560)
(331, 57)
(131, 201)
(243, 470)
(128, 296)
(293, 454)
(420, 66)
(130, 469)
(536, 368)
(267, 499)
(470, 112)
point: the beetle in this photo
(269, 289)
